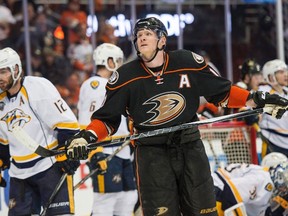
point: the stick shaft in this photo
(56, 190)
(30, 143)
(177, 128)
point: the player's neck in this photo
(157, 61)
(104, 73)
(15, 89)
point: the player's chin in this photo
(146, 55)
(3, 86)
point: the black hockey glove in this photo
(76, 146)
(66, 165)
(273, 104)
(97, 160)
(69, 166)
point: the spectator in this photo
(36, 37)
(55, 68)
(36, 62)
(72, 84)
(80, 54)
(251, 75)
(70, 18)
(7, 22)
(106, 34)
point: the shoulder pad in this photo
(182, 59)
(126, 74)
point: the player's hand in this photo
(273, 104)
(97, 160)
(67, 166)
(76, 147)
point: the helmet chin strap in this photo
(139, 54)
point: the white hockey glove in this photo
(76, 147)
(273, 104)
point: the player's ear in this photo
(162, 42)
(111, 63)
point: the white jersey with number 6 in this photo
(91, 98)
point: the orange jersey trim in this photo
(237, 97)
(99, 128)
(148, 76)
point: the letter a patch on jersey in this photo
(184, 81)
(21, 101)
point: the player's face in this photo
(282, 77)
(255, 80)
(6, 79)
(147, 42)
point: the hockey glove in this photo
(67, 166)
(97, 160)
(273, 104)
(76, 146)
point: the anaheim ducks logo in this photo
(16, 117)
(161, 211)
(94, 84)
(199, 59)
(167, 106)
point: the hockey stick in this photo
(57, 188)
(27, 141)
(107, 159)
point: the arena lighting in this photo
(123, 27)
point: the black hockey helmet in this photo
(249, 66)
(150, 23)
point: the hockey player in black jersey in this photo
(158, 90)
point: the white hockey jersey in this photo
(250, 184)
(275, 130)
(39, 109)
(91, 97)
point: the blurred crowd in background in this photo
(61, 51)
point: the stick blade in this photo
(22, 136)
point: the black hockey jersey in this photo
(156, 101)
